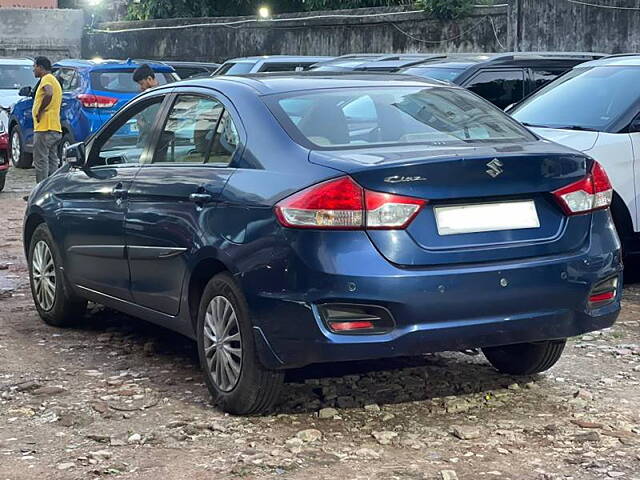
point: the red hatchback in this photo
(4, 158)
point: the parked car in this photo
(268, 63)
(595, 109)
(4, 149)
(192, 69)
(92, 91)
(373, 62)
(14, 73)
(284, 220)
(501, 78)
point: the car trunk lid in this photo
(472, 189)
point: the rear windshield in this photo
(588, 98)
(13, 77)
(121, 81)
(361, 117)
(235, 68)
(446, 74)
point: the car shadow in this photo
(342, 385)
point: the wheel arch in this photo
(199, 276)
(621, 216)
(34, 220)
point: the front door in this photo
(172, 199)
(95, 202)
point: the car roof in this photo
(465, 60)
(279, 59)
(367, 61)
(273, 83)
(192, 64)
(16, 61)
(112, 64)
(622, 60)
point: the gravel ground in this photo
(121, 398)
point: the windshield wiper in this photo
(526, 124)
(561, 127)
(575, 127)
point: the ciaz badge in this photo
(399, 179)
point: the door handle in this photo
(200, 197)
(119, 191)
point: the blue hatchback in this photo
(92, 91)
(285, 220)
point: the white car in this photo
(595, 108)
(15, 73)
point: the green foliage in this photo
(148, 9)
(447, 9)
(345, 4)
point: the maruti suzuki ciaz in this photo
(286, 220)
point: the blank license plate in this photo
(486, 217)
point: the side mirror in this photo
(25, 92)
(75, 155)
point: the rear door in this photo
(71, 115)
(173, 200)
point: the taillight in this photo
(591, 193)
(342, 204)
(89, 100)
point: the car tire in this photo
(19, 158)
(525, 358)
(3, 179)
(55, 304)
(236, 379)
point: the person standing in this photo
(145, 77)
(46, 120)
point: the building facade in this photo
(28, 3)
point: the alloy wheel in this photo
(222, 343)
(15, 148)
(63, 151)
(44, 276)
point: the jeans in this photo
(45, 153)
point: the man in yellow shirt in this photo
(46, 120)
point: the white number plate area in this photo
(486, 217)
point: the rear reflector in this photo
(356, 319)
(591, 193)
(602, 297)
(342, 204)
(603, 292)
(347, 326)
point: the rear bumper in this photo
(435, 309)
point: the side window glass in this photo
(225, 142)
(132, 131)
(543, 76)
(189, 130)
(67, 79)
(502, 88)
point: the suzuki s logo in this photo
(399, 179)
(495, 168)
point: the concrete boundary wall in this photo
(32, 32)
(322, 33)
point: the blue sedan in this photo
(285, 220)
